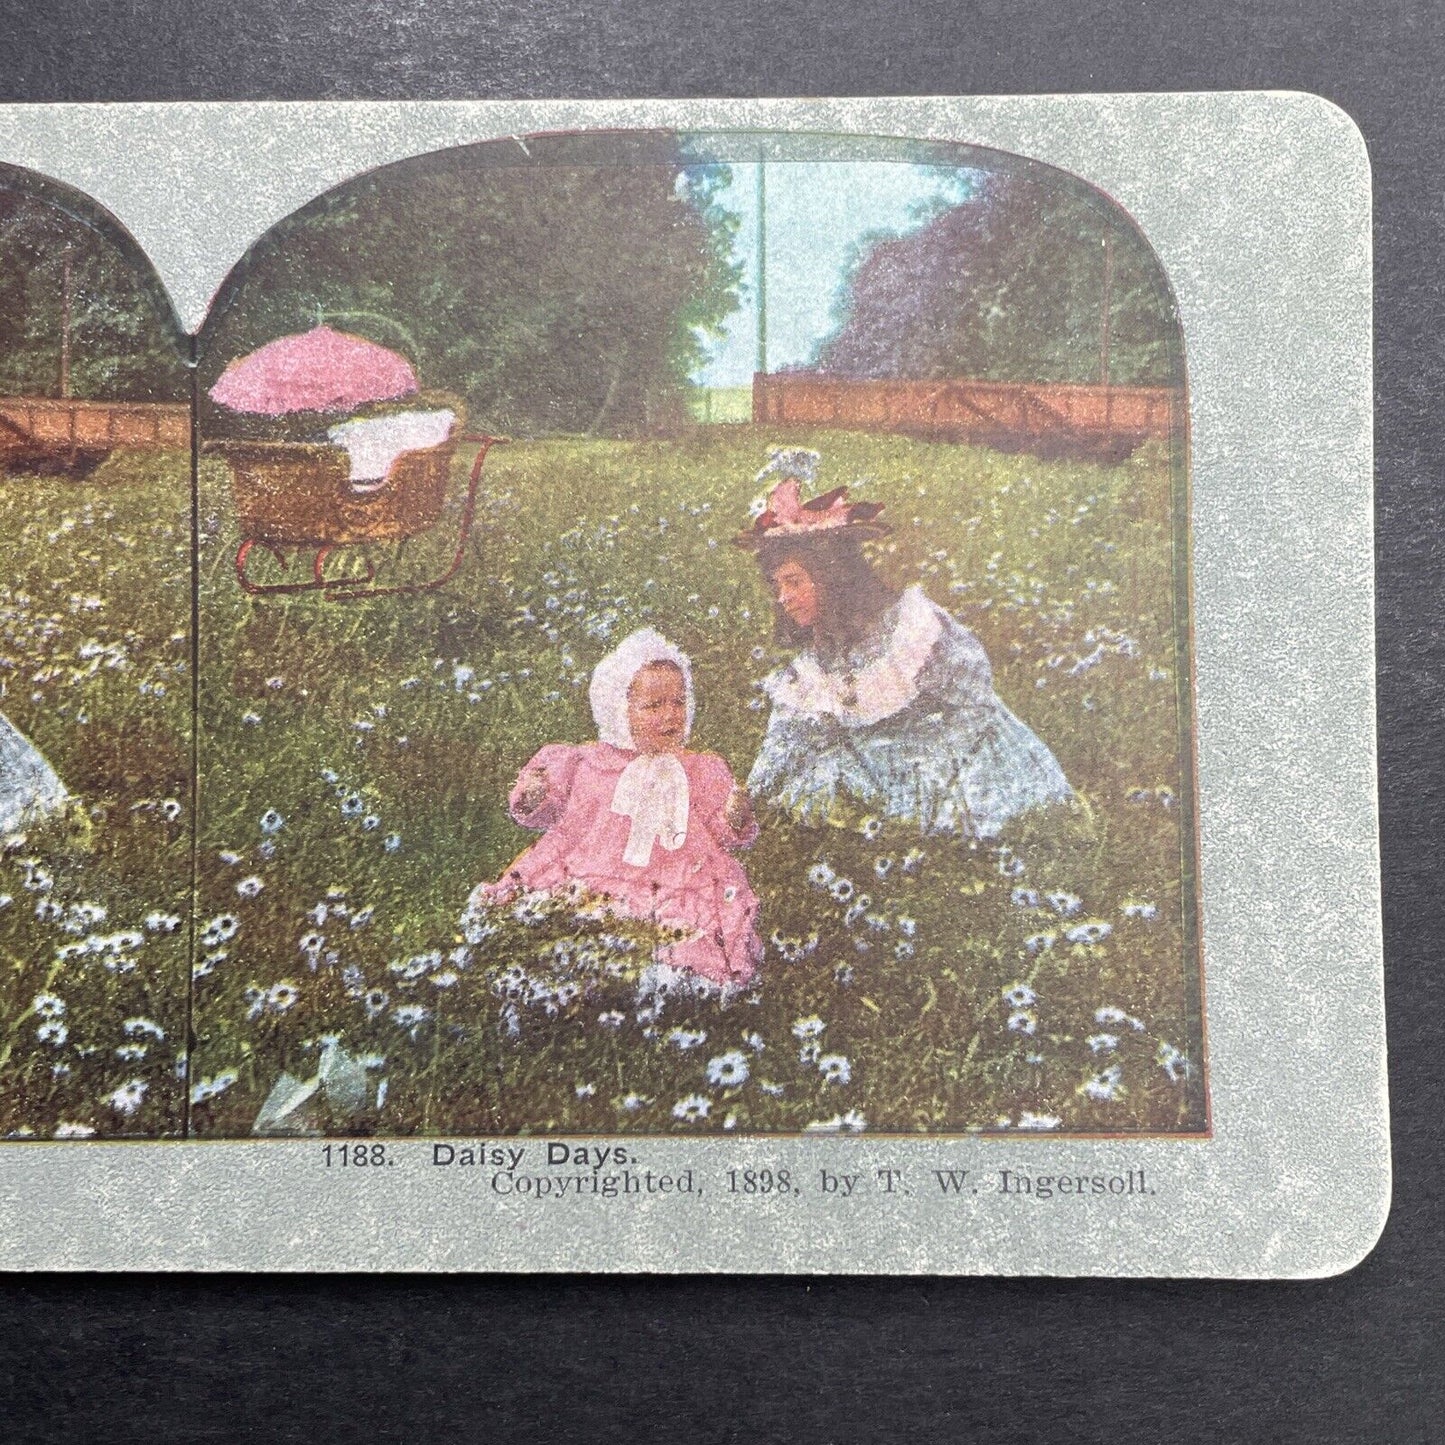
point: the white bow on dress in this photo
(653, 792)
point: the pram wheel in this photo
(319, 580)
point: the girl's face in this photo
(657, 708)
(796, 593)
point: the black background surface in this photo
(324, 1359)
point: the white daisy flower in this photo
(1173, 1062)
(729, 1070)
(206, 1089)
(129, 1097)
(283, 996)
(852, 1122)
(221, 929)
(1106, 1086)
(685, 1038)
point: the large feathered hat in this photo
(784, 514)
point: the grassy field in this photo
(95, 658)
(354, 763)
(721, 404)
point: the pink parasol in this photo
(316, 370)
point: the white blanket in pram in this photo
(374, 443)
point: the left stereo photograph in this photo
(96, 679)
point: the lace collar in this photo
(874, 682)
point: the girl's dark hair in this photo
(851, 595)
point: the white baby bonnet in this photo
(613, 676)
(651, 791)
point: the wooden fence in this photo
(1046, 418)
(46, 434)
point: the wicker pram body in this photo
(298, 497)
(299, 494)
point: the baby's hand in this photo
(738, 811)
(534, 791)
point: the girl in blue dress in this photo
(888, 708)
(29, 787)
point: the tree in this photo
(554, 297)
(81, 312)
(1008, 285)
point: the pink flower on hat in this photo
(787, 514)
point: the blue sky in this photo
(817, 210)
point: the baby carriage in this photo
(305, 497)
(380, 478)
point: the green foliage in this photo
(355, 762)
(124, 345)
(1008, 285)
(554, 298)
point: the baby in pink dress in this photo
(637, 818)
